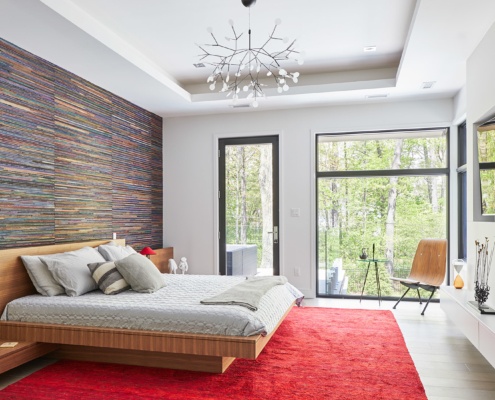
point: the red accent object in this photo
(317, 353)
(147, 251)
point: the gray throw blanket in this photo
(247, 293)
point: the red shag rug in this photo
(317, 353)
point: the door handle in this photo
(275, 234)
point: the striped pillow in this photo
(108, 278)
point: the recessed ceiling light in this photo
(199, 65)
(243, 105)
(377, 96)
(428, 85)
(369, 48)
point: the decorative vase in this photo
(484, 257)
(481, 292)
(364, 254)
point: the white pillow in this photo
(113, 253)
(71, 271)
(41, 277)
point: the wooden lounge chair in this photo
(428, 268)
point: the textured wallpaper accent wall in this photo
(76, 162)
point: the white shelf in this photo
(478, 328)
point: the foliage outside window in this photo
(388, 189)
(248, 185)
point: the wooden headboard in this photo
(14, 280)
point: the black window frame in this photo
(370, 173)
(462, 191)
(478, 166)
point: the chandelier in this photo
(238, 70)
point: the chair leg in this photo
(401, 298)
(428, 302)
(420, 301)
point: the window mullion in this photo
(381, 173)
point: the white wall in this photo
(190, 180)
(480, 85)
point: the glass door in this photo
(248, 206)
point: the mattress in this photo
(174, 308)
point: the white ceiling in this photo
(144, 50)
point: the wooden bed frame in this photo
(209, 353)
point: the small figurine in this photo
(183, 265)
(172, 266)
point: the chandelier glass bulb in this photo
(249, 64)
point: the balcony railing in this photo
(349, 281)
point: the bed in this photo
(198, 351)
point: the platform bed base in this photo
(208, 353)
(188, 362)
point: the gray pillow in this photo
(141, 273)
(71, 269)
(108, 278)
(111, 252)
(40, 276)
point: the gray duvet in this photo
(175, 308)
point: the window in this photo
(385, 191)
(484, 172)
(486, 162)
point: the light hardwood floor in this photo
(448, 365)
